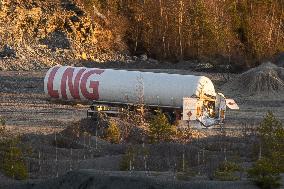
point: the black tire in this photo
(171, 117)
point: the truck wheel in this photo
(95, 116)
(171, 117)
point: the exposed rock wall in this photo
(46, 33)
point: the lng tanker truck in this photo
(109, 91)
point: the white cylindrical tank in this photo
(92, 84)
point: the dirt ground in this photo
(89, 179)
(23, 102)
(29, 113)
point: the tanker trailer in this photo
(109, 91)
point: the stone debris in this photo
(265, 81)
(40, 34)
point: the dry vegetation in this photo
(218, 155)
(61, 143)
(36, 34)
(39, 34)
(233, 31)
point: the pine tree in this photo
(160, 129)
(266, 171)
(113, 133)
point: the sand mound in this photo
(266, 80)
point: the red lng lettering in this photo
(94, 95)
(52, 93)
(73, 87)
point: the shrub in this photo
(113, 133)
(13, 160)
(127, 160)
(2, 124)
(226, 171)
(266, 171)
(63, 142)
(265, 174)
(271, 135)
(160, 129)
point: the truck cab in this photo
(209, 111)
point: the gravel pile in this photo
(265, 81)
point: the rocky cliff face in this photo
(37, 34)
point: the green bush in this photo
(126, 159)
(63, 142)
(2, 124)
(133, 157)
(160, 129)
(265, 174)
(13, 160)
(113, 133)
(266, 171)
(271, 132)
(226, 171)
(271, 136)
(2, 121)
